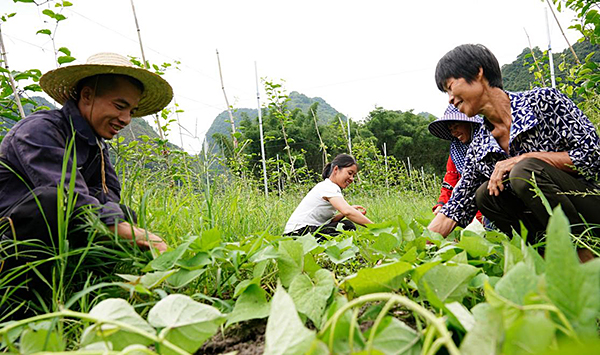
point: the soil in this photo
(246, 338)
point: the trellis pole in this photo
(552, 79)
(235, 142)
(13, 85)
(387, 186)
(260, 128)
(156, 116)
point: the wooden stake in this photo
(13, 85)
(235, 142)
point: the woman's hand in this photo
(360, 209)
(501, 171)
(437, 209)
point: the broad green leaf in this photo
(290, 260)
(263, 254)
(573, 288)
(183, 277)
(154, 279)
(410, 256)
(39, 337)
(517, 283)
(242, 286)
(199, 260)
(382, 278)
(49, 13)
(285, 332)
(116, 309)
(65, 59)
(394, 337)
(168, 259)
(309, 243)
(44, 32)
(487, 334)
(184, 322)
(461, 314)
(209, 240)
(251, 304)
(385, 242)
(449, 281)
(338, 255)
(532, 333)
(476, 246)
(310, 295)
(310, 265)
(512, 255)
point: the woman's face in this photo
(460, 130)
(343, 177)
(466, 97)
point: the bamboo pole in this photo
(387, 186)
(551, 59)
(13, 85)
(563, 32)
(156, 116)
(534, 58)
(235, 142)
(323, 147)
(260, 127)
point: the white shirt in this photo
(314, 210)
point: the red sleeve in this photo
(450, 180)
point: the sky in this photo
(356, 55)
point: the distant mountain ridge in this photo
(221, 123)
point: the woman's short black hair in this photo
(464, 62)
(342, 161)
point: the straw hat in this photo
(439, 127)
(61, 83)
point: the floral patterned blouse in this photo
(544, 120)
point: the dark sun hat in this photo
(439, 127)
(61, 83)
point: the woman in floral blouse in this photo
(539, 133)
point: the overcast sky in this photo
(354, 54)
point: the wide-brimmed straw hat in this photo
(61, 83)
(439, 127)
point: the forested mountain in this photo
(519, 75)
(221, 123)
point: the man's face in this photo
(110, 112)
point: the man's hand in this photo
(128, 231)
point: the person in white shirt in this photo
(324, 206)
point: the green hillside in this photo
(518, 77)
(298, 101)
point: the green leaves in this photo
(116, 309)
(448, 281)
(573, 288)
(251, 304)
(378, 279)
(285, 332)
(310, 295)
(290, 260)
(184, 322)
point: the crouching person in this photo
(99, 99)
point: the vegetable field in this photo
(392, 288)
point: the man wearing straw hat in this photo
(99, 99)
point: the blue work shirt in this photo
(544, 120)
(34, 150)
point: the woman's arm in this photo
(351, 212)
